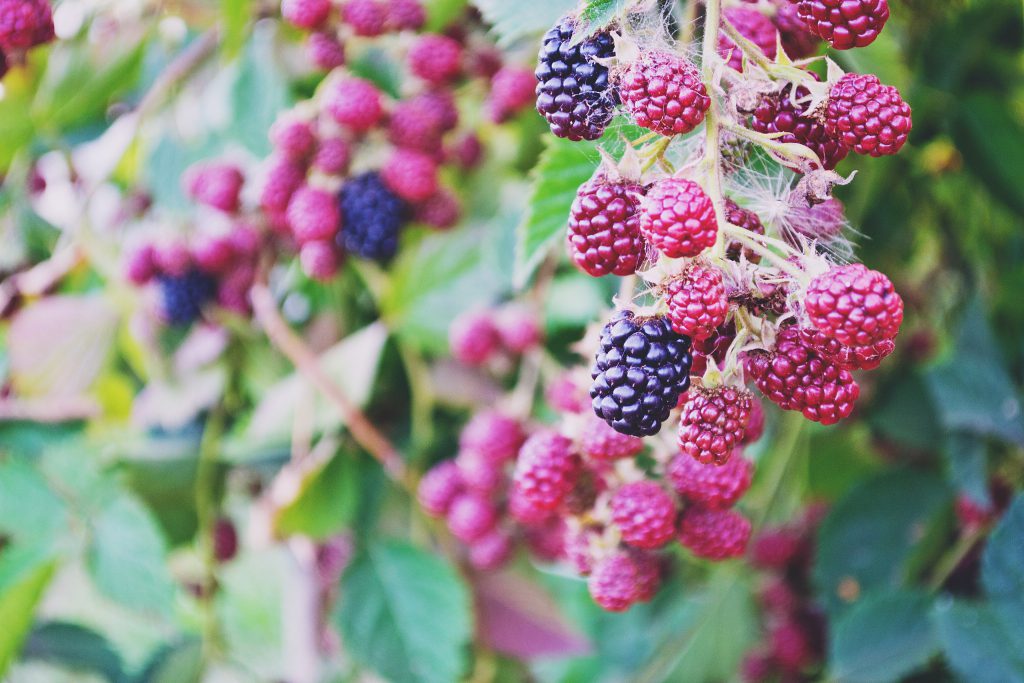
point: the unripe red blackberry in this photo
(215, 184)
(640, 370)
(212, 253)
(313, 215)
(546, 470)
(663, 92)
(435, 58)
(564, 393)
(752, 25)
(305, 14)
(578, 549)
(755, 423)
(546, 538)
(572, 86)
(822, 222)
(697, 301)
(790, 645)
(749, 221)
(491, 551)
(366, 17)
(140, 266)
(778, 114)
(775, 549)
(512, 90)
(495, 436)
(410, 174)
(319, 259)
(479, 473)
(714, 487)
(600, 443)
(354, 103)
(847, 357)
(604, 227)
(777, 598)
(325, 51)
(439, 487)
(173, 259)
(854, 305)
(473, 338)
(282, 177)
(333, 156)
(644, 514)
(757, 667)
(25, 24)
(225, 540)
(292, 137)
(406, 15)
(518, 328)
(714, 534)
(867, 116)
(797, 41)
(419, 123)
(441, 210)
(713, 423)
(794, 376)
(233, 289)
(467, 151)
(471, 516)
(844, 23)
(678, 218)
(623, 579)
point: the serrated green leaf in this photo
(406, 614)
(1002, 571)
(596, 14)
(73, 647)
(513, 21)
(882, 638)
(25, 571)
(977, 644)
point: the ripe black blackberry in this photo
(572, 89)
(639, 373)
(372, 216)
(183, 296)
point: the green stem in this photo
(654, 153)
(712, 122)
(951, 560)
(792, 431)
(746, 238)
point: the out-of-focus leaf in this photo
(596, 14)
(16, 127)
(972, 389)
(965, 465)
(870, 536)
(29, 509)
(25, 571)
(1002, 573)
(127, 557)
(235, 20)
(440, 13)
(519, 619)
(405, 613)
(977, 644)
(253, 588)
(259, 91)
(574, 300)
(992, 142)
(178, 663)
(378, 67)
(839, 459)
(513, 21)
(73, 647)
(882, 638)
(59, 345)
(162, 473)
(906, 414)
(316, 497)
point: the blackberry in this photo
(572, 89)
(183, 296)
(640, 370)
(372, 216)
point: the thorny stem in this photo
(754, 55)
(712, 140)
(654, 153)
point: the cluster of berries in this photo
(478, 337)
(24, 24)
(352, 166)
(794, 645)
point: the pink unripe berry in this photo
(306, 14)
(319, 259)
(325, 51)
(644, 514)
(435, 58)
(354, 103)
(313, 215)
(439, 487)
(410, 174)
(292, 137)
(471, 516)
(473, 338)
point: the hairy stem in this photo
(749, 240)
(712, 121)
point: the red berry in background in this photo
(493, 435)
(441, 210)
(663, 92)
(777, 598)
(25, 24)
(757, 667)
(854, 305)
(715, 487)
(755, 423)
(410, 174)
(518, 328)
(140, 266)
(333, 156)
(644, 514)
(439, 487)
(435, 58)
(215, 184)
(794, 376)
(714, 534)
(471, 516)
(678, 218)
(623, 579)
(419, 123)
(320, 259)
(790, 646)
(823, 222)
(713, 423)
(467, 152)
(604, 227)
(479, 473)
(305, 14)
(752, 25)
(173, 259)
(292, 137)
(213, 253)
(546, 538)
(512, 90)
(778, 113)
(844, 23)
(354, 103)
(565, 394)
(697, 302)
(867, 116)
(546, 470)
(776, 548)
(325, 51)
(601, 443)
(282, 178)
(473, 338)
(748, 220)
(491, 551)
(225, 540)
(366, 17)
(406, 15)
(797, 41)
(313, 215)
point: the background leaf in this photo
(977, 644)
(1002, 573)
(514, 21)
(74, 647)
(25, 571)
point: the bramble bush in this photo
(473, 340)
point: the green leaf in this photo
(29, 509)
(977, 644)
(16, 126)
(1002, 569)
(259, 91)
(870, 537)
(991, 138)
(127, 557)
(406, 614)
(325, 500)
(513, 21)
(441, 13)
(178, 663)
(25, 572)
(966, 467)
(596, 14)
(74, 647)
(235, 20)
(377, 66)
(882, 638)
